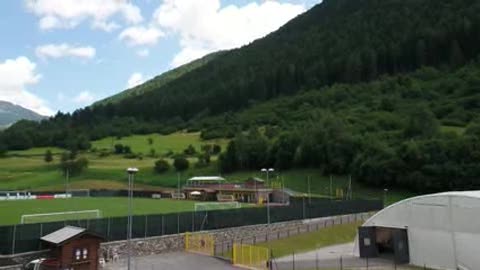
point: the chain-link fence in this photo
(26, 237)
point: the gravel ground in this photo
(172, 261)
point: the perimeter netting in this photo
(201, 207)
(211, 206)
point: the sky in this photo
(61, 55)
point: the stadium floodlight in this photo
(269, 170)
(131, 175)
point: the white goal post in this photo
(178, 196)
(210, 206)
(60, 216)
(79, 192)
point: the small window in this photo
(366, 242)
(85, 253)
(78, 254)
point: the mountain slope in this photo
(11, 113)
(336, 41)
(159, 80)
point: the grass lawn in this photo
(11, 211)
(338, 234)
(176, 142)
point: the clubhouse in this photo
(215, 188)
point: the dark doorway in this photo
(389, 243)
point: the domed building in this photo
(439, 231)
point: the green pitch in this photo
(11, 211)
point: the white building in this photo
(439, 231)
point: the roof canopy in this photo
(66, 233)
(207, 178)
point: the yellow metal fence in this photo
(251, 257)
(202, 243)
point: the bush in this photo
(190, 150)
(130, 156)
(48, 156)
(181, 164)
(74, 167)
(118, 148)
(216, 149)
(161, 166)
(127, 149)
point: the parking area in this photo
(172, 261)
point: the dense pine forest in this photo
(385, 90)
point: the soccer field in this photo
(12, 211)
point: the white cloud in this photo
(139, 35)
(70, 13)
(84, 98)
(143, 52)
(135, 79)
(64, 50)
(204, 26)
(15, 76)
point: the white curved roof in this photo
(398, 212)
(443, 228)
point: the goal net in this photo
(201, 207)
(178, 196)
(210, 206)
(225, 198)
(79, 192)
(60, 216)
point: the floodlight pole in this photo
(131, 175)
(268, 194)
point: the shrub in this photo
(181, 164)
(161, 166)
(48, 156)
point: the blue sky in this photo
(65, 54)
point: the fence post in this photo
(146, 225)
(163, 224)
(193, 221)
(178, 222)
(14, 238)
(108, 229)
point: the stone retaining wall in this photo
(223, 238)
(246, 234)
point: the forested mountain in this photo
(385, 90)
(11, 113)
(159, 80)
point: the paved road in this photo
(329, 258)
(172, 261)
